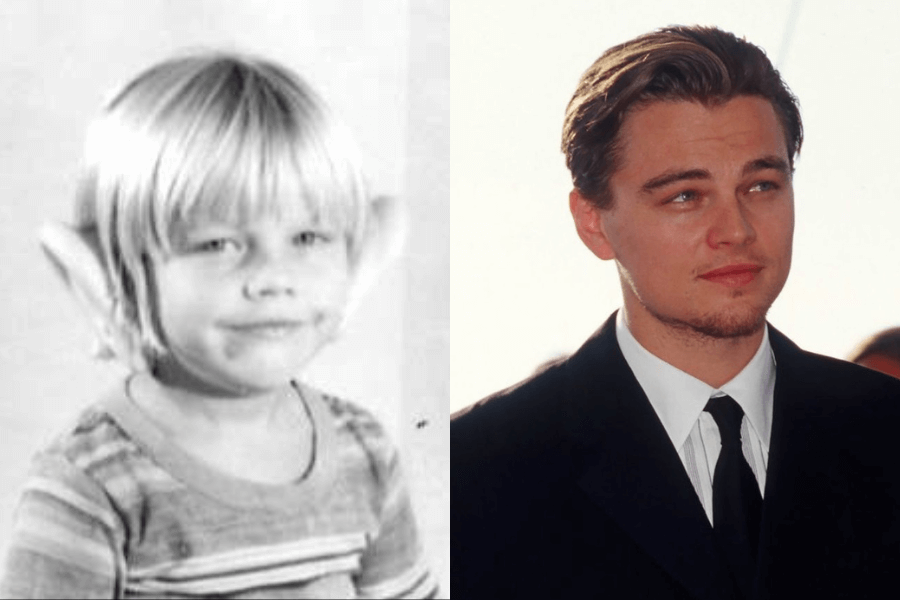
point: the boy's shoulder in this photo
(92, 437)
(92, 459)
(95, 450)
(347, 414)
(357, 429)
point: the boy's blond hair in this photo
(208, 134)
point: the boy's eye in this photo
(312, 238)
(217, 246)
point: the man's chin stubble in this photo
(716, 327)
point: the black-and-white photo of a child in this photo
(224, 234)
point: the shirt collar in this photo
(678, 398)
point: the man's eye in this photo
(683, 197)
(764, 186)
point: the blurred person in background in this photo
(880, 352)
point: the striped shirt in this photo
(113, 509)
(679, 400)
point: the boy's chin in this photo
(262, 383)
(257, 382)
(249, 380)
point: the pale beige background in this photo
(524, 287)
(382, 66)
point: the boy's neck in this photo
(179, 408)
(268, 438)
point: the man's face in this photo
(703, 216)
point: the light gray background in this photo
(382, 66)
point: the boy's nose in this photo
(269, 278)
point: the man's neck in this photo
(714, 361)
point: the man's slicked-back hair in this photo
(679, 63)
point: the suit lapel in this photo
(793, 383)
(632, 471)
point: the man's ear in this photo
(384, 237)
(75, 256)
(589, 222)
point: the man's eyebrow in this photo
(670, 177)
(767, 162)
(760, 164)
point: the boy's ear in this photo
(75, 256)
(384, 237)
(590, 224)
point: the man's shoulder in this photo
(532, 393)
(833, 395)
(835, 377)
(844, 382)
(534, 419)
(505, 427)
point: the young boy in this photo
(222, 228)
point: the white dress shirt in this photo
(679, 400)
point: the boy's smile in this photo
(266, 329)
(243, 307)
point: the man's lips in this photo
(733, 275)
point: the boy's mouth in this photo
(268, 329)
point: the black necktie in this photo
(737, 503)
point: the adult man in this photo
(688, 449)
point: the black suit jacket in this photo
(567, 485)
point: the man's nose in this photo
(731, 224)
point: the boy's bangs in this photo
(260, 147)
(250, 178)
(275, 183)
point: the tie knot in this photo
(728, 416)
